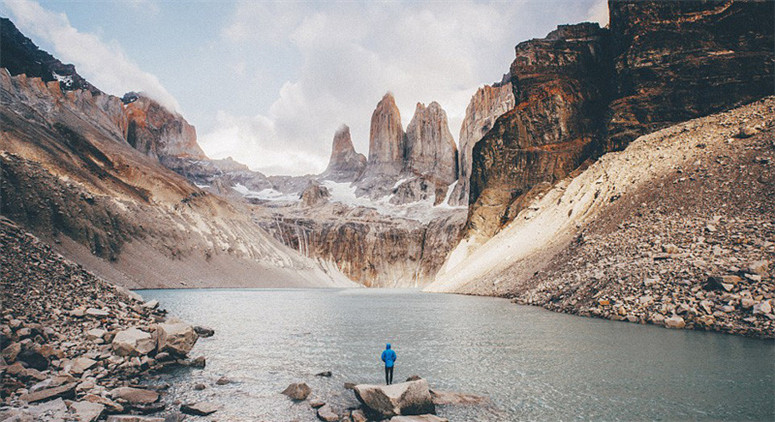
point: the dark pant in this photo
(388, 375)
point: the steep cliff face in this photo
(560, 88)
(158, 132)
(371, 248)
(345, 164)
(22, 57)
(489, 103)
(584, 91)
(386, 140)
(430, 148)
(679, 60)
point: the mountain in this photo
(583, 91)
(592, 197)
(345, 163)
(70, 175)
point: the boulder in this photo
(407, 398)
(135, 395)
(97, 313)
(297, 391)
(222, 381)
(11, 352)
(675, 321)
(133, 342)
(762, 308)
(110, 404)
(326, 413)
(176, 338)
(316, 403)
(204, 332)
(95, 333)
(357, 415)
(33, 359)
(80, 365)
(151, 304)
(65, 391)
(199, 408)
(86, 411)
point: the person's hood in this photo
(388, 346)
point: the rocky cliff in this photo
(345, 164)
(583, 91)
(560, 87)
(386, 140)
(430, 148)
(676, 230)
(22, 57)
(489, 103)
(69, 175)
(158, 132)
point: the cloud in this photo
(351, 54)
(103, 63)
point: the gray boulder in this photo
(176, 339)
(297, 391)
(133, 342)
(406, 398)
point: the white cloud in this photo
(103, 63)
(351, 55)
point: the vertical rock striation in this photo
(489, 103)
(345, 165)
(386, 140)
(430, 148)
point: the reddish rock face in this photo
(430, 148)
(386, 139)
(583, 91)
(158, 132)
(345, 164)
(560, 85)
(489, 103)
(679, 60)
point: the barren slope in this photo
(694, 185)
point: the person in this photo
(389, 357)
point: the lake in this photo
(532, 364)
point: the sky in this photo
(268, 83)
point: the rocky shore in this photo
(76, 348)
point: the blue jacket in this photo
(389, 356)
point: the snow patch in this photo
(265, 194)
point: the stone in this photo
(86, 411)
(109, 404)
(323, 374)
(675, 321)
(176, 339)
(670, 248)
(326, 413)
(349, 386)
(223, 381)
(746, 303)
(133, 342)
(316, 403)
(413, 378)
(407, 398)
(758, 268)
(33, 359)
(133, 418)
(80, 365)
(151, 304)
(97, 313)
(135, 395)
(357, 415)
(314, 195)
(54, 410)
(198, 362)
(95, 334)
(78, 313)
(11, 352)
(204, 332)
(297, 391)
(199, 386)
(762, 308)
(199, 408)
(63, 391)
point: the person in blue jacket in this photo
(389, 357)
